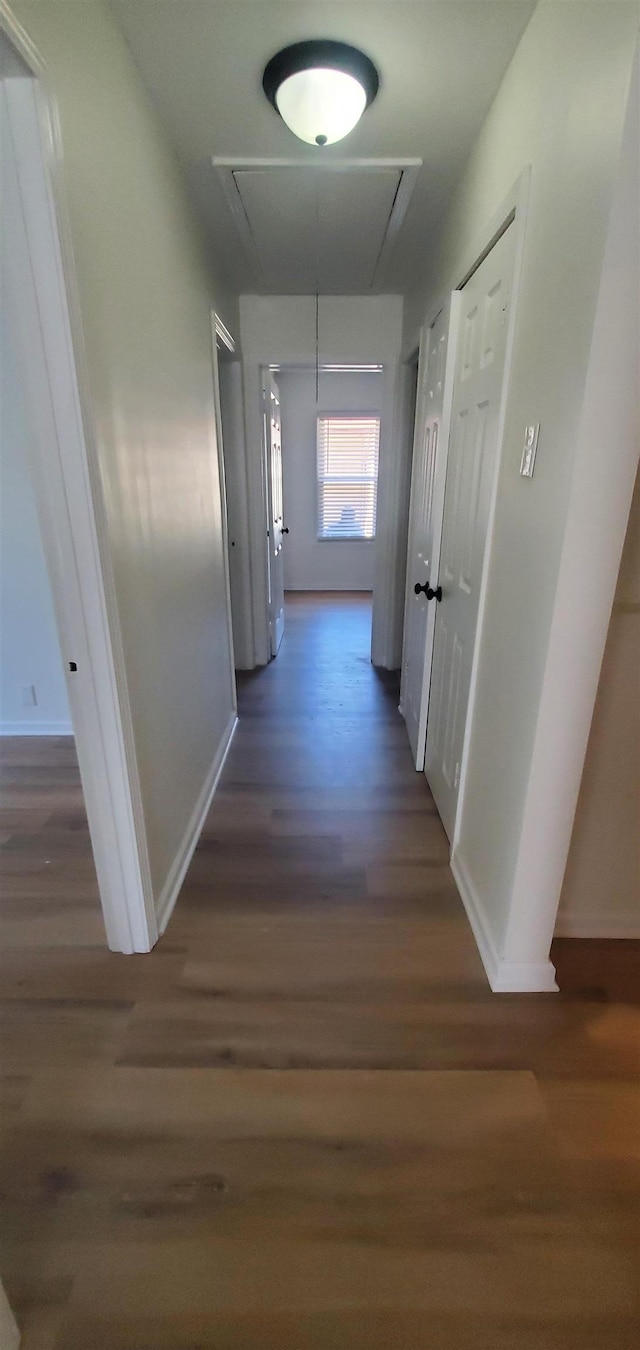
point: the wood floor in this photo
(303, 1122)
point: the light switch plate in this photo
(529, 448)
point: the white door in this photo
(275, 526)
(427, 493)
(477, 391)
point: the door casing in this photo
(450, 310)
(272, 456)
(70, 504)
(389, 572)
(221, 335)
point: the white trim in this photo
(222, 332)
(71, 507)
(230, 374)
(388, 583)
(603, 925)
(391, 476)
(21, 41)
(527, 977)
(258, 553)
(454, 305)
(513, 204)
(388, 589)
(222, 488)
(36, 729)
(505, 977)
(178, 870)
(418, 355)
(408, 169)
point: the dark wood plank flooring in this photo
(303, 1122)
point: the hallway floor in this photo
(304, 1122)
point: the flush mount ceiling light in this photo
(320, 88)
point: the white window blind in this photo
(347, 476)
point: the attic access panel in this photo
(308, 227)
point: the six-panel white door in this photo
(477, 391)
(273, 444)
(427, 492)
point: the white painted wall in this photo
(146, 290)
(359, 330)
(312, 564)
(561, 109)
(601, 890)
(29, 647)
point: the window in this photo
(347, 476)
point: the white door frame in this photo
(439, 483)
(221, 334)
(274, 551)
(258, 554)
(232, 405)
(393, 469)
(70, 502)
(513, 208)
(422, 351)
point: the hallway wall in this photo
(561, 110)
(146, 287)
(312, 564)
(29, 647)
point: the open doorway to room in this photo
(322, 437)
(48, 877)
(70, 792)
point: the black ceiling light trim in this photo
(320, 53)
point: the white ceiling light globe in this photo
(321, 106)
(320, 88)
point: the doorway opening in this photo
(49, 883)
(67, 562)
(321, 458)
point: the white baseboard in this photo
(505, 977)
(36, 729)
(598, 925)
(178, 870)
(525, 977)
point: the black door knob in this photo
(427, 590)
(284, 529)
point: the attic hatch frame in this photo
(228, 166)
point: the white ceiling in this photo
(440, 64)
